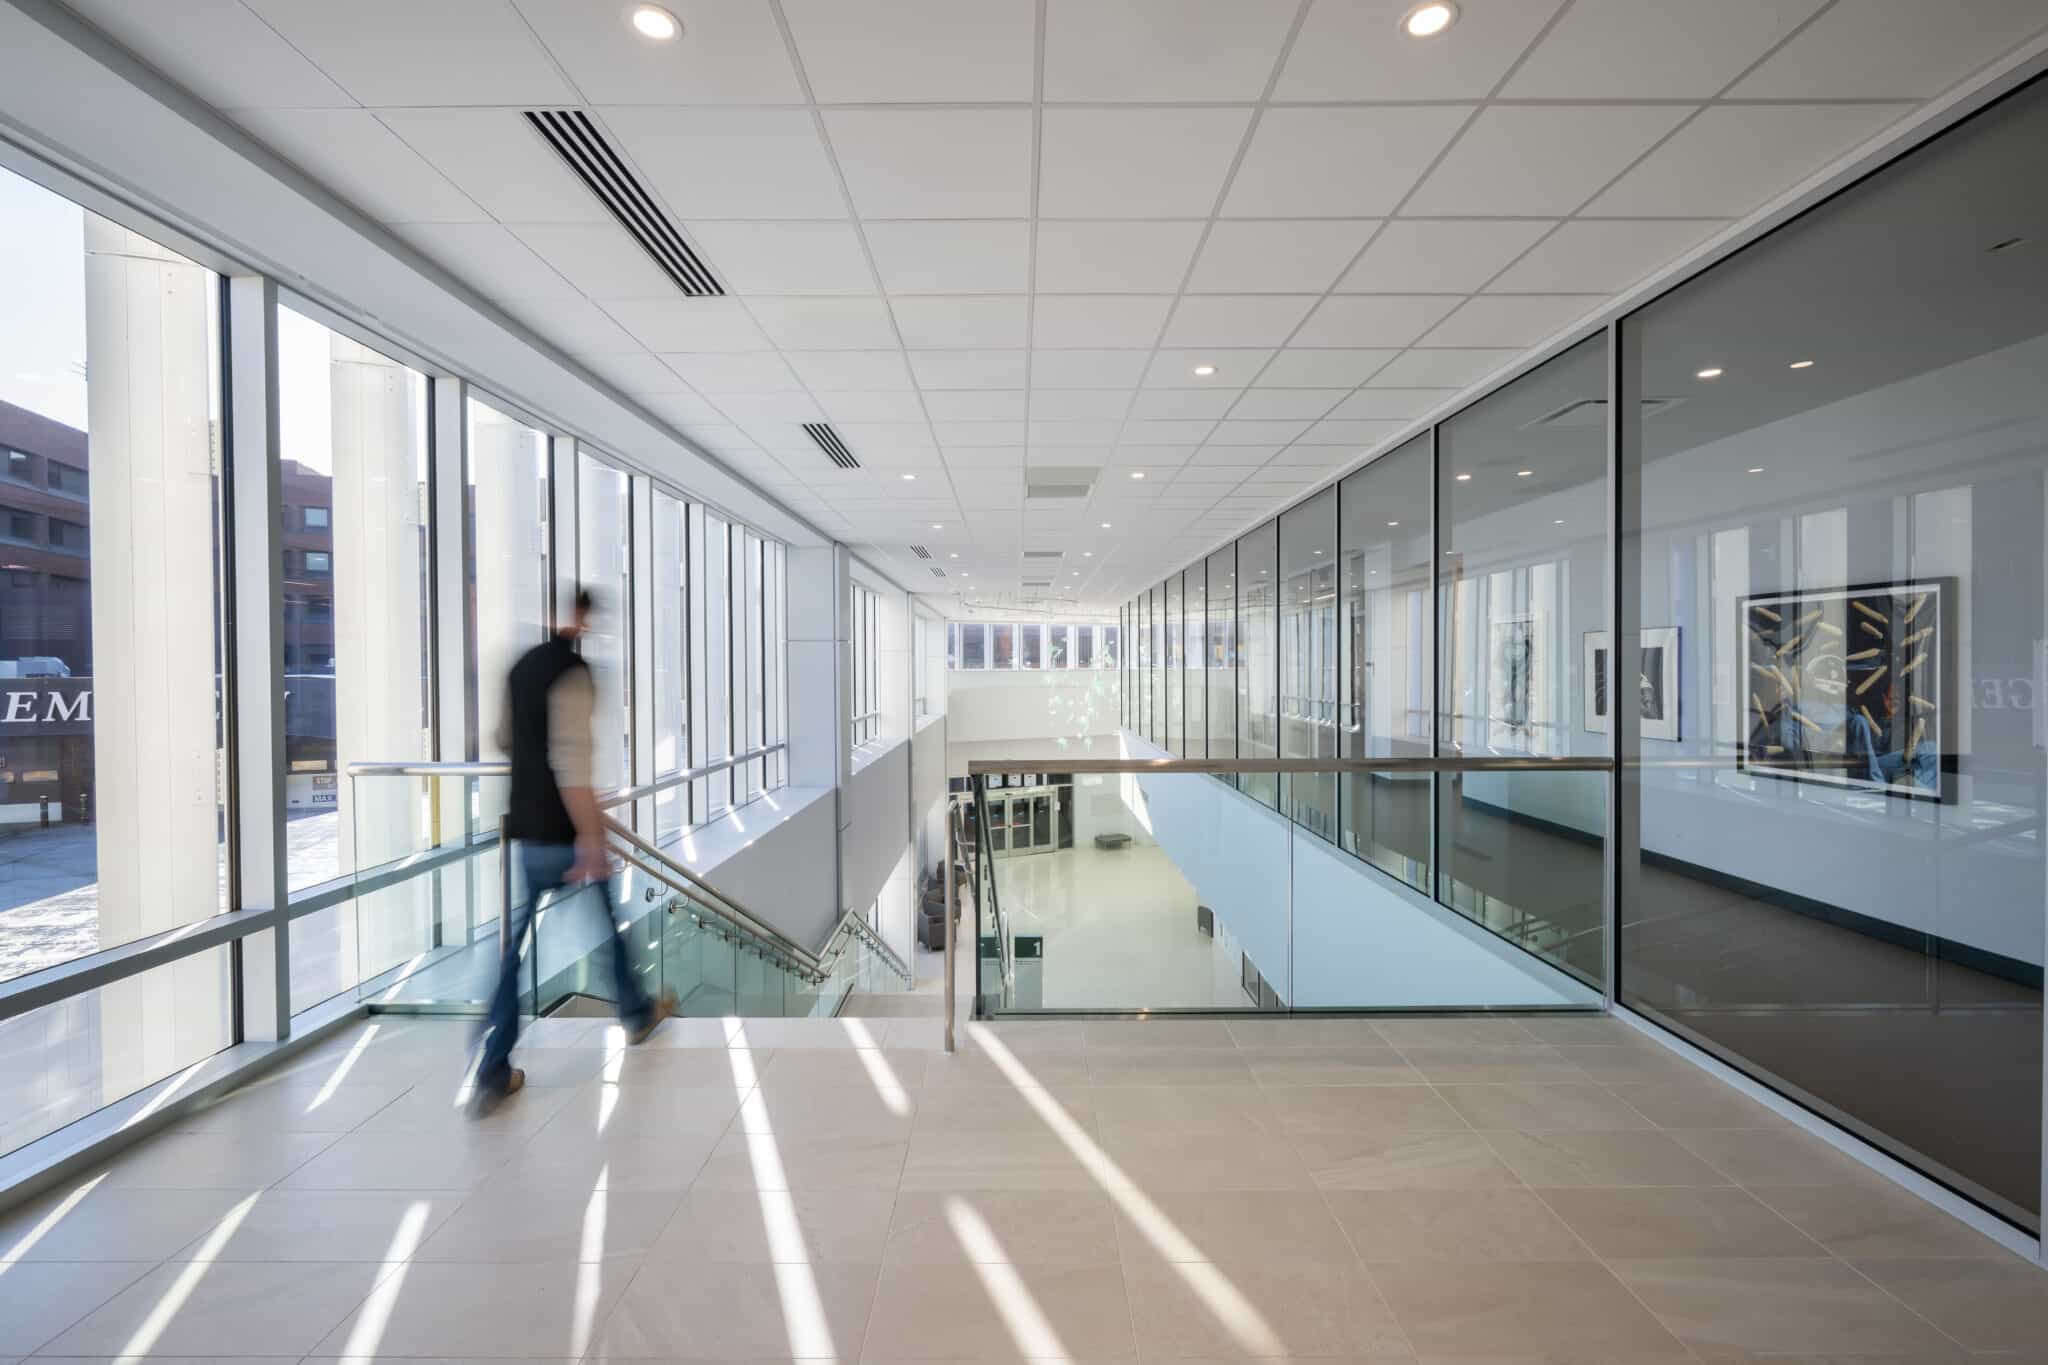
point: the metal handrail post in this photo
(505, 944)
(952, 841)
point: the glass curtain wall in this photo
(113, 820)
(604, 566)
(352, 432)
(1195, 609)
(711, 635)
(1842, 471)
(1522, 490)
(1383, 538)
(1308, 656)
(750, 676)
(669, 620)
(1258, 671)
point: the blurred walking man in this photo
(550, 708)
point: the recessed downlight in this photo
(1137, 473)
(1464, 478)
(1756, 469)
(1393, 523)
(1105, 526)
(1800, 365)
(953, 554)
(910, 478)
(1426, 21)
(1713, 372)
(1087, 554)
(1205, 370)
(653, 22)
(1524, 473)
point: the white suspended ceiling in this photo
(984, 238)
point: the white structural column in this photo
(156, 750)
(379, 516)
(820, 655)
(449, 479)
(258, 585)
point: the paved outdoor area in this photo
(1537, 1189)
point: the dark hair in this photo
(586, 602)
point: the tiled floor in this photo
(1537, 1189)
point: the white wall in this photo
(1026, 704)
(776, 859)
(876, 808)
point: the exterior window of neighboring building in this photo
(68, 535)
(21, 525)
(316, 519)
(319, 561)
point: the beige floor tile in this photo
(110, 1225)
(38, 1300)
(735, 1069)
(1207, 1310)
(1581, 1029)
(1872, 1220)
(881, 1069)
(766, 1226)
(744, 1161)
(1305, 1032)
(556, 1068)
(733, 1311)
(973, 1109)
(1452, 1030)
(1701, 1103)
(457, 1160)
(552, 1225)
(329, 1225)
(1167, 1066)
(1624, 1062)
(558, 1159)
(1402, 1161)
(292, 1107)
(1467, 1063)
(999, 1312)
(245, 1308)
(455, 1309)
(1021, 1036)
(1642, 1224)
(1123, 1034)
(431, 1108)
(1602, 1158)
(923, 1035)
(1772, 1156)
(829, 1113)
(1995, 1304)
(602, 1108)
(1553, 1310)
(563, 1033)
(808, 1034)
(1817, 1306)
(685, 1033)
(1348, 1065)
(1024, 1068)
(1020, 1227)
(1269, 1227)
(240, 1160)
(1191, 1109)
(1156, 1161)
(1542, 1108)
(1033, 1159)
(1453, 1225)
(1297, 1109)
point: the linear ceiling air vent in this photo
(938, 572)
(920, 552)
(1037, 583)
(829, 442)
(577, 141)
(1054, 492)
(1054, 483)
(1041, 556)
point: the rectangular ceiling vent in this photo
(576, 140)
(1043, 556)
(1054, 492)
(1037, 584)
(1591, 412)
(938, 572)
(920, 552)
(1058, 483)
(829, 442)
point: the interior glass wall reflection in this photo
(670, 644)
(1258, 672)
(1171, 643)
(1195, 611)
(1384, 676)
(1843, 466)
(1221, 646)
(1308, 656)
(1522, 494)
(604, 566)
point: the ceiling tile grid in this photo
(1050, 264)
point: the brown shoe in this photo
(488, 1099)
(657, 1014)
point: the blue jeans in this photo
(547, 869)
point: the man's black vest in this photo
(536, 811)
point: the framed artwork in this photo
(1853, 687)
(1656, 682)
(1514, 672)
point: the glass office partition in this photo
(1194, 619)
(1308, 656)
(604, 566)
(1258, 672)
(1171, 644)
(1842, 461)
(669, 618)
(711, 635)
(1522, 490)
(1220, 645)
(1383, 538)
